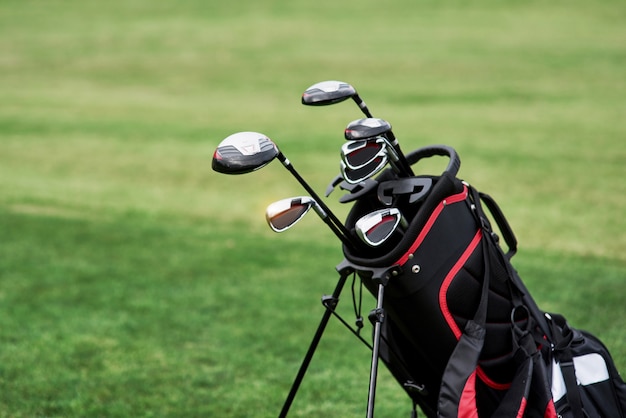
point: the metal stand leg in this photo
(316, 339)
(379, 316)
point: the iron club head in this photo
(376, 227)
(285, 213)
(244, 152)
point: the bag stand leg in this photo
(313, 346)
(378, 316)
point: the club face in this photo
(357, 154)
(285, 213)
(243, 152)
(366, 128)
(357, 175)
(327, 92)
(376, 227)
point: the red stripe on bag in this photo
(443, 291)
(491, 383)
(459, 197)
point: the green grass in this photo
(135, 281)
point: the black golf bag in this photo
(460, 332)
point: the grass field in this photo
(135, 281)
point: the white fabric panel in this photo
(590, 369)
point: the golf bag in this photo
(460, 332)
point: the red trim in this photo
(459, 197)
(467, 403)
(492, 383)
(522, 408)
(550, 410)
(443, 291)
(443, 303)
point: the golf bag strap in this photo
(563, 337)
(503, 224)
(529, 385)
(523, 391)
(519, 292)
(573, 395)
(529, 391)
(457, 395)
(514, 402)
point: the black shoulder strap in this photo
(531, 371)
(460, 370)
(518, 288)
(563, 337)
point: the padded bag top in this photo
(416, 214)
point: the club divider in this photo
(331, 220)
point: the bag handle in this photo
(503, 224)
(431, 151)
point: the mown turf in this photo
(135, 281)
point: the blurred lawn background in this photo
(134, 281)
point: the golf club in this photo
(327, 93)
(374, 127)
(285, 213)
(330, 92)
(357, 154)
(357, 175)
(244, 152)
(376, 227)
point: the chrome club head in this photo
(366, 128)
(357, 175)
(243, 152)
(376, 227)
(357, 154)
(285, 213)
(327, 92)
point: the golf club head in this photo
(327, 92)
(357, 175)
(243, 152)
(357, 154)
(376, 227)
(285, 213)
(366, 128)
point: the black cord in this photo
(357, 309)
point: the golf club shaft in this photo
(362, 105)
(335, 224)
(326, 218)
(405, 166)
